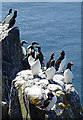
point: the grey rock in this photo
(11, 59)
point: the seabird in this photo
(68, 75)
(40, 56)
(23, 49)
(31, 47)
(12, 20)
(49, 102)
(48, 63)
(7, 18)
(35, 67)
(60, 63)
(50, 72)
(31, 58)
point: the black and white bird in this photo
(31, 47)
(7, 18)
(49, 102)
(39, 56)
(60, 63)
(49, 61)
(68, 75)
(12, 20)
(50, 72)
(23, 48)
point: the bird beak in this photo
(71, 63)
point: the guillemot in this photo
(31, 47)
(60, 63)
(50, 72)
(23, 48)
(68, 75)
(49, 102)
(7, 18)
(39, 56)
(12, 20)
(48, 63)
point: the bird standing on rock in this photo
(7, 18)
(31, 47)
(49, 102)
(12, 20)
(49, 61)
(68, 75)
(50, 72)
(60, 63)
(23, 49)
(40, 56)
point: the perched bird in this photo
(60, 63)
(40, 56)
(35, 67)
(31, 58)
(51, 58)
(7, 18)
(31, 50)
(23, 49)
(31, 47)
(49, 102)
(50, 72)
(68, 75)
(12, 20)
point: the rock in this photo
(28, 94)
(11, 59)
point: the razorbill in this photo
(7, 18)
(12, 20)
(49, 102)
(68, 75)
(60, 63)
(48, 63)
(23, 48)
(50, 72)
(40, 56)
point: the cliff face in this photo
(11, 59)
(28, 93)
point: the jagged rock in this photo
(33, 91)
(11, 59)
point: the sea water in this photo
(55, 26)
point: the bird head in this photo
(23, 42)
(10, 10)
(62, 52)
(69, 65)
(33, 43)
(15, 13)
(39, 48)
(50, 95)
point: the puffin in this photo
(31, 47)
(48, 63)
(7, 18)
(68, 75)
(60, 63)
(39, 56)
(50, 72)
(12, 20)
(23, 48)
(49, 102)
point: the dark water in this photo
(55, 26)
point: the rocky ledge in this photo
(28, 94)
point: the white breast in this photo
(62, 64)
(23, 51)
(30, 60)
(36, 67)
(51, 104)
(7, 19)
(68, 76)
(50, 72)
